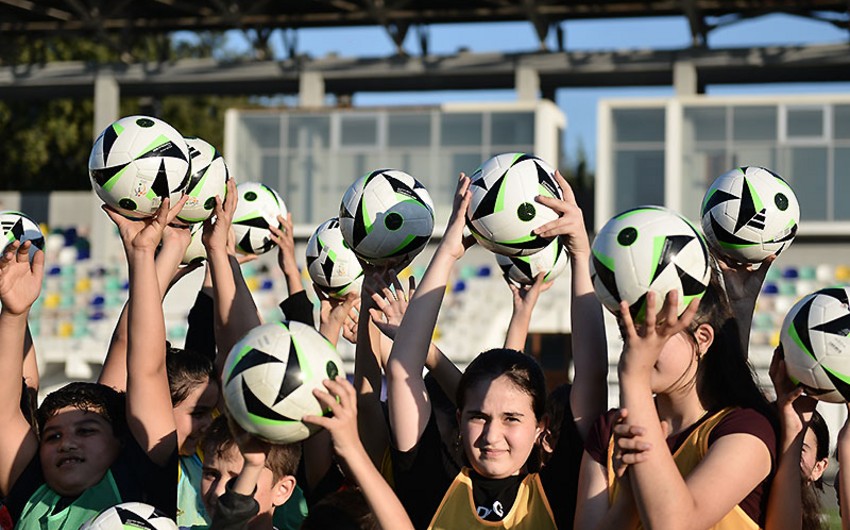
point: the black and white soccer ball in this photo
(750, 213)
(208, 178)
(136, 163)
(648, 248)
(816, 344)
(130, 516)
(256, 210)
(332, 265)
(503, 211)
(17, 226)
(386, 217)
(551, 261)
(269, 377)
(196, 252)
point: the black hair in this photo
(519, 368)
(557, 411)
(186, 370)
(818, 426)
(342, 510)
(90, 397)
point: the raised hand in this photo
(217, 227)
(284, 238)
(333, 312)
(146, 233)
(525, 296)
(20, 280)
(795, 409)
(570, 222)
(453, 242)
(743, 281)
(341, 400)
(629, 446)
(390, 304)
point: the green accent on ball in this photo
(407, 239)
(543, 190)
(127, 204)
(792, 331)
(724, 244)
(209, 204)
(781, 201)
(627, 236)
(526, 212)
(367, 222)
(332, 370)
(259, 420)
(632, 212)
(303, 360)
(345, 244)
(144, 122)
(117, 128)
(500, 197)
(794, 379)
(523, 239)
(115, 178)
(657, 249)
(706, 199)
(837, 375)
(603, 259)
(158, 141)
(516, 157)
(250, 196)
(393, 221)
(757, 203)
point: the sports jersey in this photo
(529, 511)
(190, 508)
(690, 446)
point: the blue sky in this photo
(578, 104)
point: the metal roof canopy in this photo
(100, 17)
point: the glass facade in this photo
(312, 157)
(638, 160)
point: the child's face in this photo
(219, 470)
(811, 468)
(76, 450)
(193, 415)
(498, 427)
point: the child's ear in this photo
(282, 490)
(705, 337)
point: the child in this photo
(83, 461)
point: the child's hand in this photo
(795, 409)
(254, 450)
(177, 237)
(525, 296)
(644, 344)
(570, 222)
(145, 234)
(390, 304)
(453, 242)
(743, 282)
(20, 280)
(334, 311)
(629, 447)
(285, 240)
(217, 227)
(350, 326)
(341, 423)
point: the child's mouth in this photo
(69, 461)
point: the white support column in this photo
(527, 83)
(105, 245)
(685, 79)
(311, 89)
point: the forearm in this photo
(30, 369)
(381, 498)
(12, 336)
(246, 481)
(743, 311)
(371, 423)
(293, 279)
(444, 371)
(233, 317)
(784, 510)
(518, 329)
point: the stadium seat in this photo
(790, 273)
(842, 273)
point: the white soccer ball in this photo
(551, 261)
(648, 248)
(750, 213)
(269, 377)
(195, 252)
(129, 515)
(16, 226)
(208, 178)
(136, 163)
(816, 344)
(256, 210)
(503, 211)
(331, 263)
(386, 217)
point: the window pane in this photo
(270, 171)
(264, 130)
(417, 164)
(807, 174)
(746, 155)
(409, 130)
(461, 129)
(708, 123)
(639, 178)
(638, 125)
(308, 132)
(510, 128)
(841, 171)
(442, 187)
(841, 117)
(700, 169)
(805, 123)
(359, 130)
(754, 123)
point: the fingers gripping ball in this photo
(269, 376)
(551, 261)
(16, 226)
(503, 211)
(209, 176)
(649, 248)
(386, 217)
(130, 515)
(257, 208)
(749, 214)
(331, 263)
(816, 344)
(136, 163)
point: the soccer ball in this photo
(648, 248)
(503, 212)
(129, 515)
(269, 377)
(331, 263)
(195, 252)
(136, 163)
(386, 217)
(816, 344)
(750, 213)
(257, 209)
(524, 270)
(16, 226)
(208, 178)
